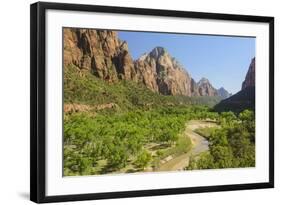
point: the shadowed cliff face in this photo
(250, 77)
(245, 98)
(103, 54)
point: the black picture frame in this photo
(38, 101)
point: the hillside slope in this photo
(245, 98)
(223, 93)
(85, 88)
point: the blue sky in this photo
(223, 60)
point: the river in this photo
(199, 145)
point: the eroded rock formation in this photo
(99, 51)
(103, 54)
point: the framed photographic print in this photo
(129, 102)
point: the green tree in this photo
(118, 157)
(143, 159)
(222, 155)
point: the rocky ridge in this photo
(205, 88)
(99, 51)
(250, 76)
(223, 93)
(162, 73)
(103, 54)
(245, 98)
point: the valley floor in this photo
(176, 161)
(173, 139)
(199, 145)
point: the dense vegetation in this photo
(231, 145)
(141, 128)
(83, 87)
(109, 142)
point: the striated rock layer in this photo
(99, 51)
(162, 73)
(103, 54)
(205, 88)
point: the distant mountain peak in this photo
(203, 81)
(223, 93)
(162, 73)
(157, 52)
(222, 89)
(205, 88)
(162, 54)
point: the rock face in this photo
(245, 98)
(205, 88)
(250, 77)
(103, 54)
(223, 93)
(194, 88)
(162, 73)
(99, 51)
